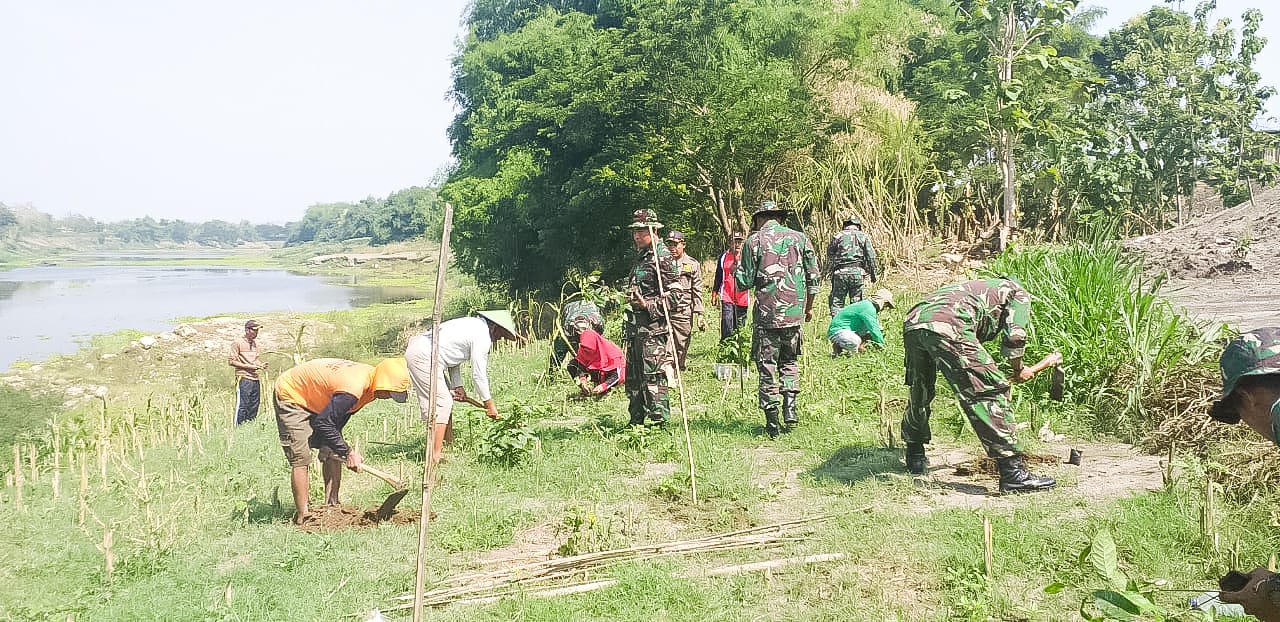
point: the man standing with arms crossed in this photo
(689, 308)
(244, 358)
(779, 263)
(650, 296)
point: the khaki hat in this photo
(884, 296)
(502, 318)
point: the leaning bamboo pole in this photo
(428, 467)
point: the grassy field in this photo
(192, 516)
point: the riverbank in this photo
(197, 512)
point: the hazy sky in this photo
(246, 110)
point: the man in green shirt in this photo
(859, 323)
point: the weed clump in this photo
(1129, 355)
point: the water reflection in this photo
(49, 310)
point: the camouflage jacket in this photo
(779, 263)
(576, 311)
(644, 280)
(851, 248)
(690, 280)
(978, 310)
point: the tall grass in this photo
(1119, 338)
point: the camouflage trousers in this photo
(647, 358)
(846, 284)
(682, 331)
(974, 376)
(775, 351)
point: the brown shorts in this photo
(294, 424)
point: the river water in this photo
(56, 309)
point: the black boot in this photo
(789, 417)
(772, 426)
(1014, 476)
(917, 462)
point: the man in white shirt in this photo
(463, 339)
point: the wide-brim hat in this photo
(884, 296)
(644, 219)
(769, 207)
(503, 319)
(1254, 353)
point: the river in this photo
(56, 309)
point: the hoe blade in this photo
(388, 507)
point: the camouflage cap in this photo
(853, 220)
(644, 219)
(1254, 353)
(769, 207)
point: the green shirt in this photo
(860, 317)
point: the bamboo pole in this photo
(434, 388)
(987, 547)
(17, 475)
(671, 348)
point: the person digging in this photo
(461, 340)
(945, 332)
(313, 402)
(1251, 393)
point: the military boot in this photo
(772, 426)
(789, 417)
(1014, 476)
(917, 462)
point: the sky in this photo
(249, 110)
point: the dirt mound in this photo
(340, 517)
(1224, 266)
(1245, 238)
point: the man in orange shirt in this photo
(313, 402)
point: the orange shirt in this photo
(312, 384)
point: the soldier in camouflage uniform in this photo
(690, 309)
(944, 332)
(851, 258)
(1251, 393)
(1251, 382)
(577, 315)
(779, 263)
(650, 296)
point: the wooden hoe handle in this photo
(386, 477)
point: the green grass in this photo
(199, 516)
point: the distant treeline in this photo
(403, 215)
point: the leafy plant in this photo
(971, 590)
(508, 442)
(586, 531)
(736, 349)
(1123, 598)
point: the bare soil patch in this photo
(1224, 266)
(339, 517)
(1108, 471)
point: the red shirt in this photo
(728, 289)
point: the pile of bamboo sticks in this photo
(491, 585)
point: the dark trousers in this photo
(732, 317)
(248, 394)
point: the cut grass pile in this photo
(193, 515)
